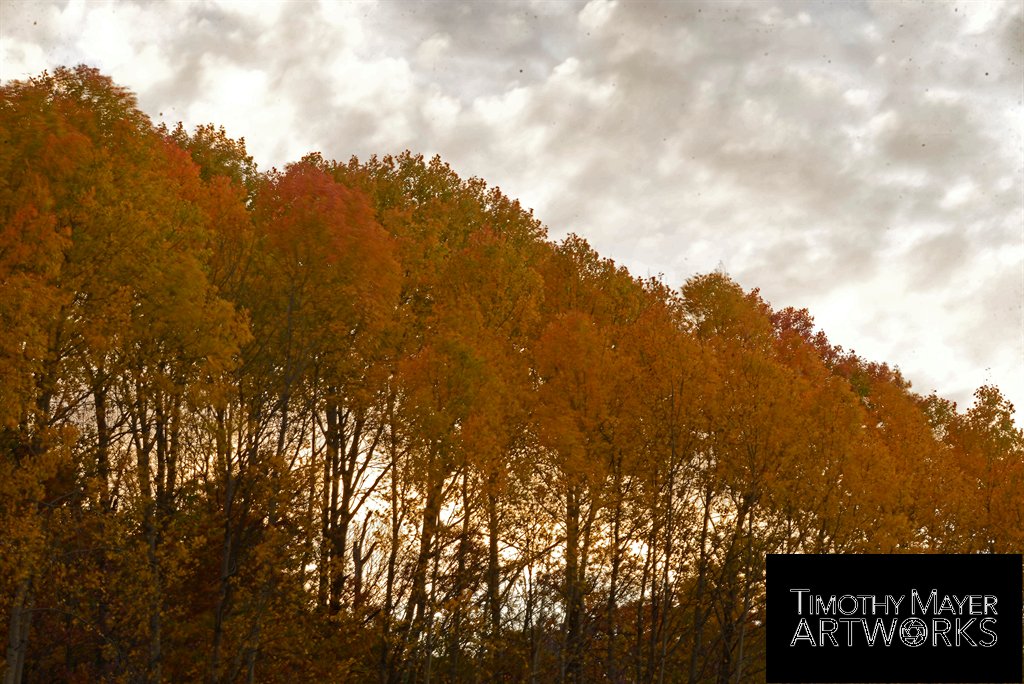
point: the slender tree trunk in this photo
(647, 576)
(430, 622)
(730, 595)
(106, 504)
(17, 631)
(333, 539)
(155, 674)
(416, 612)
(327, 496)
(428, 529)
(455, 644)
(267, 586)
(493, 570)
(224, 458)
(144, 447)
(611, 664)
(746, 595)
(102, 446)
(348, 452)
(654, 664)
(358, 562)
(666, 585)
(224, 593)
(571, 666)
(698, 599)
(529, 628)
(387, 670)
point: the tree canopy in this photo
(361, 421)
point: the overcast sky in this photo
(862, 159)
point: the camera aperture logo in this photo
(848, 619)
(894, 618)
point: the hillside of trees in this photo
(362, 422)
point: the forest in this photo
(364, 422)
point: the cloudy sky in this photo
(862, 159)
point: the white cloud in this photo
(266, 13)
(441, 111)
(857, 97)
(861, 159)
(980, 15)
(964, 191)
(433, 49)
(596, 13)
(21, 60)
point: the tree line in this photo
(363, 422)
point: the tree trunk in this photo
(154, 670)
(611, 664)
(698, 599)
(103, 440)
(387, 669)
(428, 529)
(224, 594)
(455, 642)
(571, 666)
(334, 538)
(493, 568)
(17, 631)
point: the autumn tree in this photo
(362, 421)
(137, 324)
